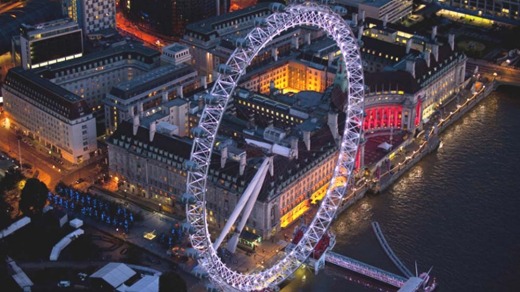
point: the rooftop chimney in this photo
(136, 124)
(362, 15)
(434, 32)
(243, 162)
(153, 127)
(164, 96)
(410, 67)
(179, 91)
(451, 41)
(332, 122)
(435, 52)
(354, 19)
(223, 156)
(426, 55)
(294, 147)
(204, 82)
(200, 103)
(385, 20)
(307, 140)
(308, 38)
(360, 32)
(274, 54)
(408, 45)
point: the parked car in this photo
(64, 284)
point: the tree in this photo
(33, 197)
(170, 281)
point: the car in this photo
(79, 180)
(64, 284)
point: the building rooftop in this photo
(376, 3)
(175, 47)
(43, 92)
(209, 25)
(126, 51)
(150, 80)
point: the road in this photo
(488, 69)
(6, 7)
(49, 170)
(127, 27)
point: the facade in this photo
(98, 15)
(93, 16)
(500, 9)
(55, 117)
(388, 10)
(145, 95)
(167, 17)
(50, 42)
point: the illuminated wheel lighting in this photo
(282, 19)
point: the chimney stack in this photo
(274, 54)
(385, 20)
(204, 82)
(164, 96)
(307, 140)
(180, 92)
(427, 57)
(136, 124)
(451, 41)
(200, 103)
(243, 162)
(223, 156)
(308, 38)
(294, 147)
(362, 15)
(435, 52)
(410, 67)
(153, 128)
(360, 32)
(354, 19)
(434, 32)
(332, 122)
(408, 45)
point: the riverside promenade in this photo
(391, 167)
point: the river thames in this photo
(457, 210)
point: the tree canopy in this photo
(33, 197)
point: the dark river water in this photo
(458, 210)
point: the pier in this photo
(365, 269)
(384, 244)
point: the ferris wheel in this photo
(282, 19)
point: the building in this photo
(95, 17)
(176, 54)
(388, 10)
(50, 42)
(50, 114)
(212, 41)
(148, 94)
(501, 10)
(32, 12)
(92, 76)
(168, 18)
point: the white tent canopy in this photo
(114, 274)
(385, 145)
